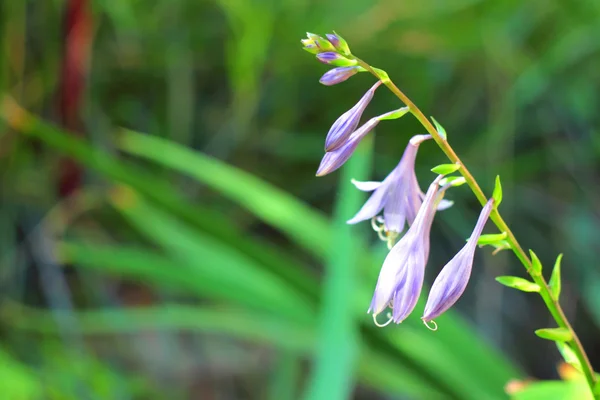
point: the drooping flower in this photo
(338, 75)
(452, 280)
(398, 195)
(332, 160)
(401, 277)
(343, 127)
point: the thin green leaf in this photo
(445, 169)
(518, 283)
(491, 239)
(497, 194)
(569, 355)
(554, 283)
(440, 129)
(556, 334)
(536, 265)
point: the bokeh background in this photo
(163, 236)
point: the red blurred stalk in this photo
(77, 43)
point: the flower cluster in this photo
(398, 197)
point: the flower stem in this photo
(551, 302)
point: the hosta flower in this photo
(452, 280)
(401, 277)
(343, 127)
(398, 195)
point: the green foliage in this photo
(536, 264)
(556, 334)
(518, 283)
(445, 169)
(497, 194)
(554, 282)
(440, 129)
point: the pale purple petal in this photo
(407, 295)
(366, 186)
(372, 207)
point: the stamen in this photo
(374, 225)
(389, 315)
(434, 326)
(382, 235)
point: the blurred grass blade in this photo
(269, 203)
(335, 356)
(219, 263)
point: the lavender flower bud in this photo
(452, 280)
(336, 158)
(343, 127)
(337, 75)
(333, 58)
(311, 48)
(339, 43)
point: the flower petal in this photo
(372, 207)
(366, 186)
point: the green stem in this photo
(551, 302)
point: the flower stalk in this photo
(550, 300)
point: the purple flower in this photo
(343, 127)
(401, 277)
(398, 195)
(338, 42)
(337, 75)
(332, 160)
(452, 280)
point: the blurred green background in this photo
(163, 236)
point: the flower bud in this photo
(339, 74)
(332, 58)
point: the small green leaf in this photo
(497, 195)
(445, 169)
(536, 265)
(394, 114)
(554, 282)
(440, 129)
(491, 239)
(454, 181)
(518, 283)
(556, 334)
(568, 355)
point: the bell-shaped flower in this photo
(398, 195)
(401, 277)
(452, 280)
(343, 127)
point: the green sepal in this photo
(445, 169)
(554, 282)
(518, 283)
(343, 45)
(568, 355)
(491, 238)
(497, 195)
(454, 181)
(342, 62)
(536, 265)
(440, 129)
(556, 334)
